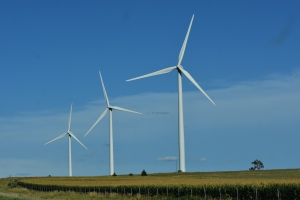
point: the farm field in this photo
(268, 181)
(173, 179)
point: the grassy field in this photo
(15, 193)
(239, 178)
(171, 179)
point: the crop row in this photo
(268, 191)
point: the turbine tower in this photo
(111, 142)
(180, 71)
(71, 135)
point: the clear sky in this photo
(244, 54)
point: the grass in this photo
(15, 193)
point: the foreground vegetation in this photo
(263, 184)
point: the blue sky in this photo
(244, 54)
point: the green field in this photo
(190, 185)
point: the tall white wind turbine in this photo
(111, 142)
(180, 71)
(71, 135)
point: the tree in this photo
(144, 173)
(257, 165)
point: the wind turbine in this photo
(180, 71)
(71, 135)
(111, 142)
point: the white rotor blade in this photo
(163, 71)
(70, 118)
(195, 83)
(61, 136)
(73, 136)
(101, 116)
(184, 43)
(123, 109)
(104, 91)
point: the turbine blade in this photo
(73, 136)
(61, 136)
(101, 116)
(70, 118)
(163, 71)
(185, 42)
(123, 109)
(196, 84)
(104, 91)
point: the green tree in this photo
(257, 165)
(144, 173)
